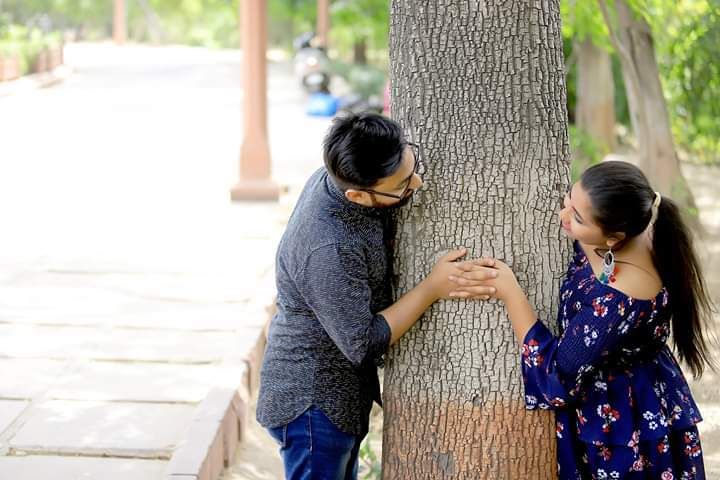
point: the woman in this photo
(623, 407)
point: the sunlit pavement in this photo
(128, 280)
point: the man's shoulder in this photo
(315, 184)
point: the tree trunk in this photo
(595, 110)
(481, 86)
(155, 31)
(632, 37)
(360, 51)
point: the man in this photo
(335, 315)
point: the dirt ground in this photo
(704, 182)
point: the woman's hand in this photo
(505, 284)
(442, 279)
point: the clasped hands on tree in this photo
(480, 279)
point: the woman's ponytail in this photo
(675, 260)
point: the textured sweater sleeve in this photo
(334, 284)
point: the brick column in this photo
(119, 22)
(255, 182)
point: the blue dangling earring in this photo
(608, 273)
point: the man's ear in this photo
(359, 197)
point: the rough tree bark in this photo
(595, 108)
(632, 38)
(481, 86)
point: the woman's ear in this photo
(613, 239)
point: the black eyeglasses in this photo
(418, 169)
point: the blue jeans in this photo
(313, 448)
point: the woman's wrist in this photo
(511, 293)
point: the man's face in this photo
(393, 190)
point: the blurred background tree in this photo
(685, 35)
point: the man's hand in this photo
(447, 279)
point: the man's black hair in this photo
(360, 150)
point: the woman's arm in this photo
(554, 367)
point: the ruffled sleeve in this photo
(543, 388)
(554, 367)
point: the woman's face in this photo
(577, 220)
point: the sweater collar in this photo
(351, 208)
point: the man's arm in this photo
(403, 314)
(335, 285)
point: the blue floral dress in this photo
(622, 405)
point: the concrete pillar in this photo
(323, 22)
(255, 182)
(119, 22)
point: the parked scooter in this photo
(312, 66)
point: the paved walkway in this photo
(131, 289)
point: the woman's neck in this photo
(636, 252)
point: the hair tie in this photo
(655, 208)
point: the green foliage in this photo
(351, 21)
(290, 18)
(581, 19)
(686, 35)
(360, 20)
(210, 23)
(26, 44)
(370, 463)
(585, 152)
(691, 75)
(94, 16)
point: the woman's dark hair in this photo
(359, 150)
(622, 201)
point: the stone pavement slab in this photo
(172, 313)
(28, 378)
(9, 411)
(32, 82)
(145, 381)
(47, 298)
(141, 430)
(40, 467)
(32, 341)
